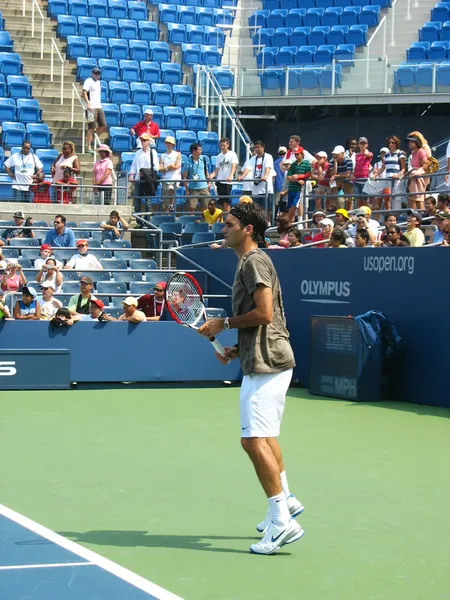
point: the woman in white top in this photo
(67, 159)
(50, 272)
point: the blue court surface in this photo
(38, 564)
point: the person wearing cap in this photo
(27, 309)
(320, 173)
(299, 172)
(261, 168)
(49, 305)
(148, 126)
(13, 278)
(326, 225)
(60, 236)
(96, 313)
(114, 227)
(417, 183)
(102, 173)
(50, 272)
(170, 169)
(378, 171)
(196, 171)
(278, 182)
(361, 172)
(145, 161)
(22, 168)
(224, 171)
(92, 94)
(4, 310)
(152, 305)
(439, 219)
(361, 220)
(131, 312)
(14, 232)
(414, 233)
(79, 303)
(341, 220)
(342, 169)
(82, 260)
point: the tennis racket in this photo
(184, 301)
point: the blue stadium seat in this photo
(126, 159)
(78, 8)
(100, 253)
(350, 15)
(177, 33)
(185, 219)
(300, 36)
(281, 37)
(439, 51)
(345, 53)
(324, 54)
(113, 311)
(194, 227)
(382, 3)
(171, 73)
(127, 277)
(184, 139)
(118, 49)
(138, 50)
(210, 142)
(405, 79)
(168, 13)
(305, 55)
(104, 91)
(270, 5)
(157, 220)
(98, 47)
(211, 57)
(148, 31)
(87, 26)
(357, 35)
(160, 147)
(150, 72)
(7, 109)
(445, 31)
(109, 68)
(424, 77)
(121, 140)
(259, 19)
(129, 70)
(318, 35)
(361, 3)
(440, 12)
(263, 37)
(267, 57)
(186, 15)
(71, 287)
(307, 4)
(98, 8)
(160, 51)
(286, 56)
(309, 79)
(183, 95)
(117, 244)
(47, 158)
(158, 116)
(216, 228)
(443, 78)
(313, 17)
(370, 15)
(214, 36)
(203, 237)
(174, 118)
(277, 18)
(84, 67)
(118, 9)
(119, 91)
(10, 63)
(195, 119)
(137, 11)
(139, 288)
(57, 7)
(295, 17)
(130, 114)
(191, 54)
(108, 28)
(418, 51)
(28, 110)
(38, 134)
(222, 16)
(19, 86)
(195, 34)
(140, 92)
(111, 287)
(289, 4)
(332, 15)
(128, 29)
(161, 94)
(24, 242)
(207, 16)
(67, 25)
(76, 46)
(338, 35)
(225, 77)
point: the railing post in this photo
(367, 67)
(23, 8)
(42, 38)
(32, 19)
(384, 37)
(286, 82)
(72, 107)
(219, 118)
(62, 83)
(197, 87)
(333, 80)
(433, 85)
(241, 91)
(392, 42)
(408, 10)
(51, 61)
(386, 66)
(83, 142)
(207, 96)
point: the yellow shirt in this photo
(415, 237)
(213, 218)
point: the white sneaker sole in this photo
(294, 538)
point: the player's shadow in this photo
(132, 539)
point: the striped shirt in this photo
(302, 169)
(392, 163)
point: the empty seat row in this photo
(194, 15)
(301, 80)
(411, 78)
(122, 141)
(106, 27)
(14, 134)
(300, 17)
(311, 36)
(433, 31)
(15, 86)
(305, 4)
(205, 3)
(291, 55)
(441, 12)
(115, 9)
(422, 51)
(98, 47)
(162, 94)
(25, 110)
(178, 33)
(172, 117)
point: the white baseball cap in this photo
(148, 111)
(326, 222)
(338, 150)
(322, 154)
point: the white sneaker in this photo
(276, 537)
(295, 508)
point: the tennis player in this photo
(267, 361)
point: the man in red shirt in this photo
(146, 126)
(152, 305)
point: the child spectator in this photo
(66, 187)
(27, 309)
(41, 189)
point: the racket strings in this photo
(184, 299)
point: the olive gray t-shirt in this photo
(266, 348)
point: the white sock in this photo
(284, 484)
(279, 509)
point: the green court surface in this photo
(155, 480)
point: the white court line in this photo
(102, 562)
(47, 566)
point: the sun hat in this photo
(170, 140)
(104, 148)
(130, 301)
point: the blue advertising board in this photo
(34, 369)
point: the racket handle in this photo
(217, 346)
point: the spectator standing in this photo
(46, 251)
(261, 167)
(22, 167)
(212, 214)
(395, 238)
(13, 277)
(294, 142)
(83, 260)
(320, 173)
(393, 169)
(148, 126)
(413, 233)
(66, 187)
(102, 173)
(67, 159)
(170, 169)
(47, 303)
(299, 172)
(131, 312)
(351, 147)
(41, 189)
(79, 303)
(144, 162)
(280, 193)
(114, 227)
(417, 181)
(326, 225)
(50, 273)
(226, 164)
(17, 231)
(28, 308)
(152, 305)
(92, 94)
(361, 171)
(60, 236)
(197, 189)
(247, 184)
(342, 169)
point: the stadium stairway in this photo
(55, 115)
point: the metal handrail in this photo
(53, 48)
(33, 5)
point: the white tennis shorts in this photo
(263, 396)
